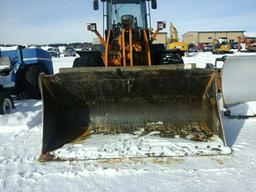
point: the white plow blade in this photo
(239, 85)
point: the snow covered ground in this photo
(20, 143)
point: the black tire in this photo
(89, 60)
(80, 62)
(6, 103)
(31, 81)
(95, 60)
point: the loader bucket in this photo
(239, 81)
(129, 100)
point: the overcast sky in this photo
(64, 21)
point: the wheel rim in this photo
(7, 105)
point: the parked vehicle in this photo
(252, 47)
(192, 47)
(69, 52)
(19, 74)
(208, 47)
(6, 101)
(199, 47)
(245, 43)
(54, 51)
(234, 45)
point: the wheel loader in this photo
(133, 99)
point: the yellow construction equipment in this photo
(174, 42)
(133, 99)
(221, 46)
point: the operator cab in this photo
(123, 13)
(126, 13)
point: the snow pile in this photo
(202, 58)
(134, 146)
(26, 115)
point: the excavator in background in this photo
(174, 42)
(134, 99)
(247, 44)
(221, 46)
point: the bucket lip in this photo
(99, 74)
(125, 68)
(174, 67)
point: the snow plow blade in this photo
(238, 85)
(173, 103)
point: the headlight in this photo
(161, 25)
(92, 27)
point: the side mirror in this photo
(153, 4)
(95, 5)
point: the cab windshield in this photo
(133, 7)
